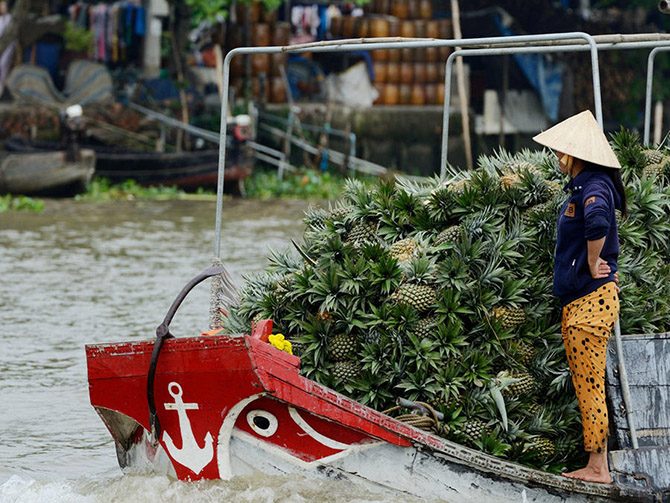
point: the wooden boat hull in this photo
(45, 173)
(186, 170)
(235, 405)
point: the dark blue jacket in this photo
(587, 215)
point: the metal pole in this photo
(647, 98)
(623, 379)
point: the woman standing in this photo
(585, 265)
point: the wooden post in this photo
(462, 94)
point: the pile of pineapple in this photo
(440, 292)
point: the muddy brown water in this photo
(83, 273)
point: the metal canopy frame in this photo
(650, 83)
(551, 42)
(661, 44)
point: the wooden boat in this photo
(45, 173)
(186, 170)
(218, 406)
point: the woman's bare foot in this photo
(591, 474)
(596, 470)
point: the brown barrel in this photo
(393, 73)
(432, 54)
(433, 29)
(444, 53)
(348, 26)
(378, 26)
(406, 55)
(276, 61)
(405, 92)
(381, 72)
(282, 34)
(432, 73)
(425, 9)
(445, 28)
(277, 90)
(260, 63)
(440, 93)
(420, 28)
(380, 55)
(406, 73)
(391, 94)
(400, 8)
(420, 72)
(381, 6)
(336, 26)
(418, 95)
(394, 56)
(431, 94)
(361, 27)
(412, 9)
(260, 34)
(407, 29)
(419, 54)
(394, 27)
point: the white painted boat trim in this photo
(322, 439)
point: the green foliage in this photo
(302, 184)
(100, 189)
(76, 38)
(20, 203)
(441, 292)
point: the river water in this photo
(83, 273)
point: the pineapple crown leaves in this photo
(628, 149)
(420, 270)
(354, 275)
(422, 354)
(386, 274)
(283, 262)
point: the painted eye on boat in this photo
(262, 422)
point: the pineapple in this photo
(516, 167)
(404, 249)
(534, 212)
(554, 189)
(653, 171)
(426, 327)
(459, 186)
(449, 235)
(541, 447)
(653, 156)
(474, 430)
(342, 346)
(526, 386)
(523, 351)
(509, 317)
(345, 371)
(419, 297)
(510, 181)
(362, 233)
(339, 213)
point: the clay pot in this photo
(277, 90)
(378, 27)
(420, 71)
(406, 73)
(405, 92)
(276, 61)
(433, 29)
(393, 73)
(407, 29)
(391, 94)
(400, 8)
(425, 9)
(418, 95)
(431, 53)
(282, 34)
(260, 63)
(348, 26)
(431, 94)
(381, 72)
(380, 55)
(260, 34)
(420, 28)
(336, 27)
(432, 74)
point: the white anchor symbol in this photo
(191, 455)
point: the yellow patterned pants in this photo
(586, 326)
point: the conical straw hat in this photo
(580, 136)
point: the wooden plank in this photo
(647, 359)
(646, 465)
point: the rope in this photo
(424, 422)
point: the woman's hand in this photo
(600, 269)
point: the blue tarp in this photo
(545, 76)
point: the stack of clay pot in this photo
(402, 76)
(266, 82)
